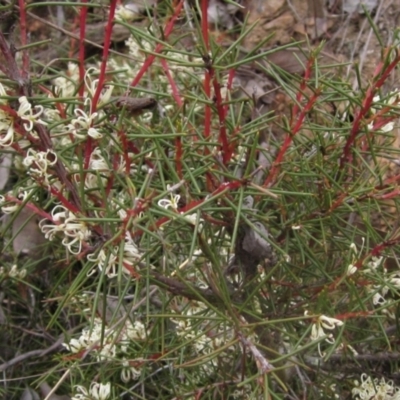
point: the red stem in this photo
(150, 59)
(179, 102)
(288, 140)
(107, 41)
(22, 24)
(82, 32)
(366, 106)
(31, 207)
(226, 153)
(106, 49)
(207, 109)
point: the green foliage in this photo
(189, 245)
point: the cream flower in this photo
(171, 202)
(317, 329)
(324, 322)
(97, 391)
(92, 84)
(26, 114)
(126, 13)
(6, 130)
(375, 389)
(110, 262)
(9, 209)
(83, 119)
(75, 232)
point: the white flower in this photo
(193, 219)
(6, 129)
(351, 269)
(6, 123)
(389, 100)
(126, 13)
(100, 391)
(94, 133)
(374, 263)
(38, 163)
(26, 114)
(9, 209)
(3, 93)
(375, 389)
(67, 87)
(110, 262)
(83, 395)
(355, 255)
(13, 273)
(135, 50)
(378, 299)
(83, 122)
(97, 163)
(321, 323)
(129, 372)
(97, 160)
(395, 280)
(74, 346)
(75, 232)
(172, 202)
(385, 128)
(92, 84)
(97, 391)
(135, 331)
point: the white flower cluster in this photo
(38, 163)
(385, 282)
(86, 122)
(67, 86)
(126, 12)
(96, 391)
(109, 260)
(355, 256)
(14, 272)
(375, 389)
(115, 345)
(100, 168)
(317, 329)
(204, 339)
(10, 206)
(24, 112)
(75, 232)
(6, 207)
(392, 99)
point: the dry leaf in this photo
(45, 389)
(28, 239)
(5, 164)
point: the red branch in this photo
(150, 59)
(82, 32)
(179, 102)
(288, 140)
(106, 47)
(22, 24)
(207, 109)
(226, 153)
(226, 186)
(379, 79)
